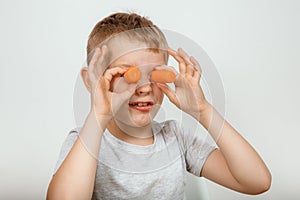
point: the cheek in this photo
(158, 94)
(118, 85)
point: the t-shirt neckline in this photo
(124, 144)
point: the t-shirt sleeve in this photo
(66, 147)
(197, 146)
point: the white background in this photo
(255, 46)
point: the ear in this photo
(85, 78)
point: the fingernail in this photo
(161, 84)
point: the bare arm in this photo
(75, 177)
(236, 164)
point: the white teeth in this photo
(142, 104)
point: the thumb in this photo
(168, 91)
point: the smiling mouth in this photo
(141, 106)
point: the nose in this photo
(144, 85)
(144, 89)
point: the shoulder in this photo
(75, 130)
(70, 138)
(66, 146)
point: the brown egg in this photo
(132, 75)
(163, 76)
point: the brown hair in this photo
(141, 29)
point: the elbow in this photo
(61, 191)
(58, 194)
(56, 191)
(266, 184)
(51, 192)
(53, 195)
(261, 186)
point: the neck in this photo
(135, 135)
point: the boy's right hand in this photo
(105, 103)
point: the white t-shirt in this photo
(156, 171)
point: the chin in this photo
(141, 121)
(135, 118)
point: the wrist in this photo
(99, 120)
(205, 107)
(204, 111)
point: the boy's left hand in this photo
(188, 95)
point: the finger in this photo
(185, 56)
(111, 72)
(95, 58)
(196, 64)
(189, 65)
(168, 91)
(180, 81)
(91, 66)
(100, 62)
(198, 72)
(181, 63)
(197, 76)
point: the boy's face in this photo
(145, 102)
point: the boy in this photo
(120, 152)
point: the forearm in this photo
(243, 161)
(75, 177)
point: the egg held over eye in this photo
(132, 75)
(163, 76)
